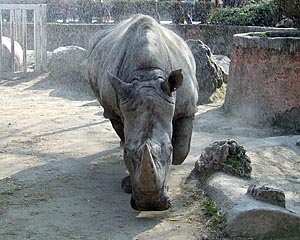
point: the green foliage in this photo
(261, 14)
(290, 9)
(211, 210)
(220, 93)
(233, 162)
(259, 34)
(201, 11)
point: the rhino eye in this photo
(135, 80)
(131, 157)
(169, 150)
(125, 151)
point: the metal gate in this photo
(14, 23)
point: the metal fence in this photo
(16, 18)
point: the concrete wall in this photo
(264, 80)
(218, 38)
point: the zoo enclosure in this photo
(18, 21)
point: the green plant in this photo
(213, 212)
(290, 9)
(233, 162)
(258, 34)
(261, 14)
(220, 93)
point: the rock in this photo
(254, 93)
(224, 63)
(67, 62)
(298, 142)
(204, 237)
(285, 23)
(209, 74)
(246, 217)
(226, 156)
(267, 194)
(7, 56)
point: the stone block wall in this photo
(264, 80)
(218, 38)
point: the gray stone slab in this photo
(247, 217)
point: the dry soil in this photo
(61, 167)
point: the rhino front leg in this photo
(126, 184)
(119, 128)
(181, 140)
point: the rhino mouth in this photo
(150, 202)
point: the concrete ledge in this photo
(247, 217)
(263, 83)
(269, 40)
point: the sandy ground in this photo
(61, 167)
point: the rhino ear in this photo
(173, 82)
(122, 88)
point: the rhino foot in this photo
(126, 184)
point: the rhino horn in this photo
(122, 88)
(148, 171)
(173, 82)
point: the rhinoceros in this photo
(144, 77)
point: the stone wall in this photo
(264, 80)
(218, 38)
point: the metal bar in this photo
(44, 36)
(20, 6)
(37, 40)
(1, 47)
(12, 37)
(24, 37)
(18, 22)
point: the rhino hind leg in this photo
(182, 133)
(119, 129)
(126, 184)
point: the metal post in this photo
(37, 40)
(18, 22)
(12, 44)
(24, 38)
(1, 47)
(44, 36)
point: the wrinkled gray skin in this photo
(144, 77)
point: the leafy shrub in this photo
(290, 9)
(201, 11)
(261, 14)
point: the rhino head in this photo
(147, 104)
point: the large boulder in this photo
(209, 74)
(68, 62)
(7, 55)
(223, 62)
(250, 215)
(226, 156)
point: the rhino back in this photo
(140, 43)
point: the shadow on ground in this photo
(71, 198)
(66, 87)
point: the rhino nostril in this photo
(169, 204)
(166, 201)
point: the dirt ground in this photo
(61, 167)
